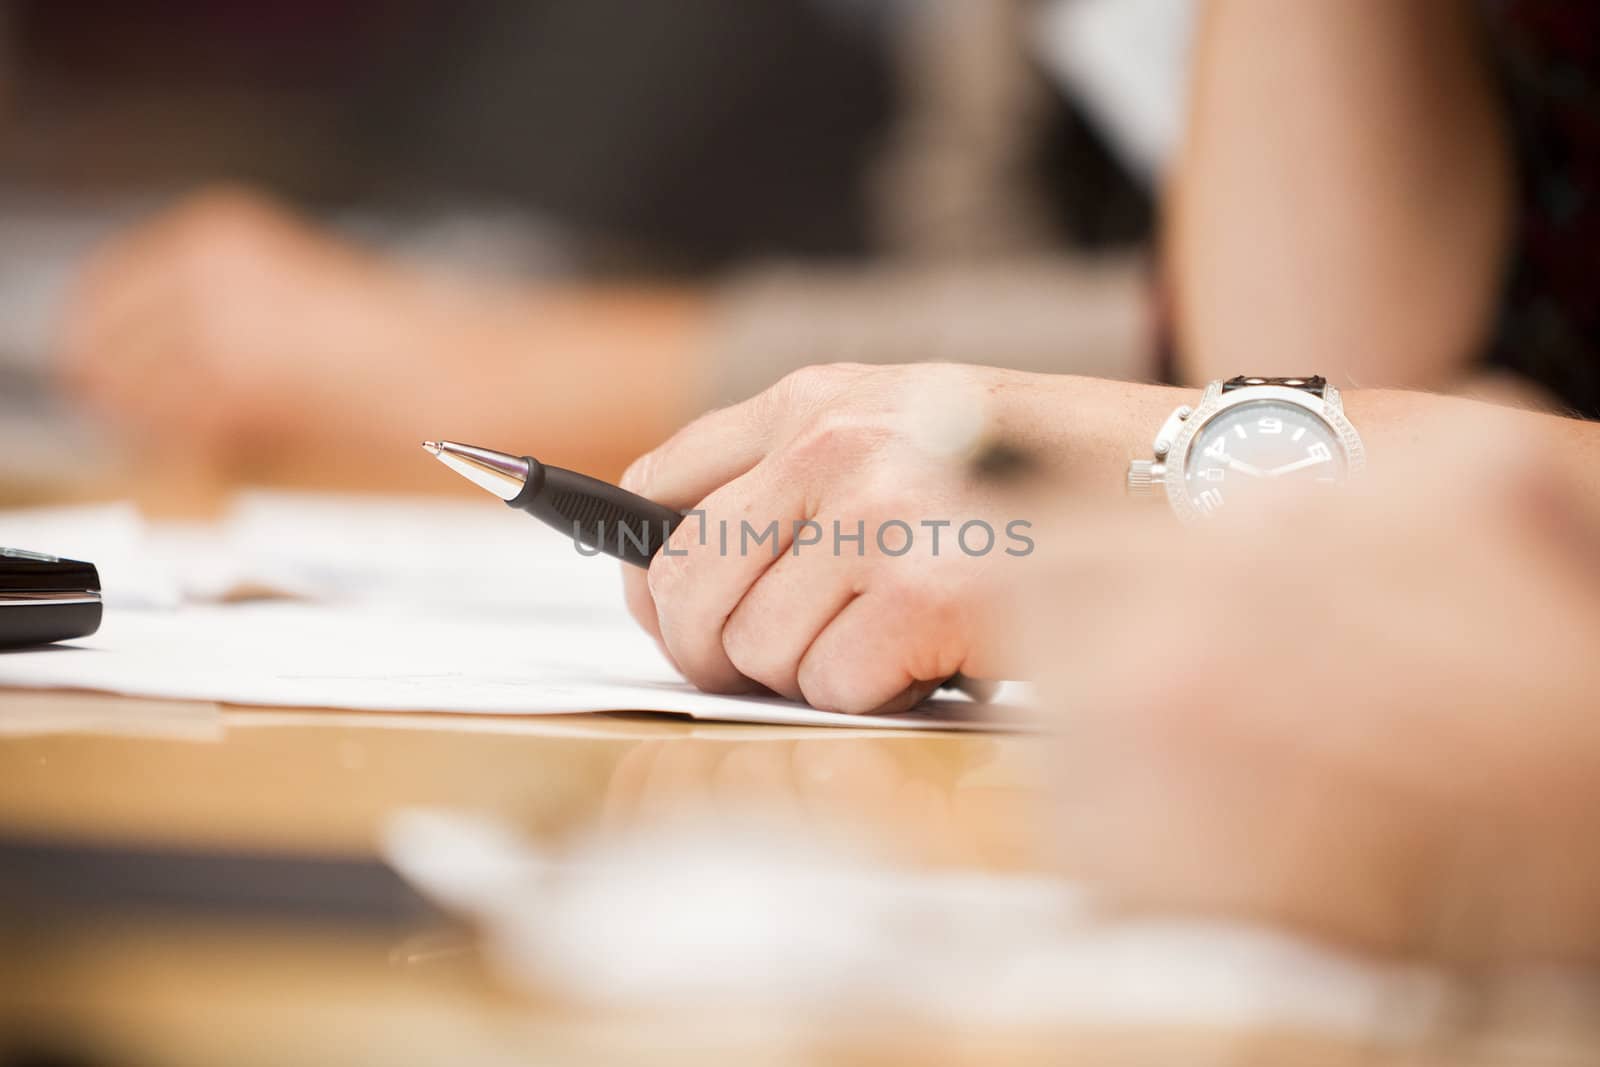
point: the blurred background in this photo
(280, 244)
(603, 145)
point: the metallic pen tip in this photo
(503, 475)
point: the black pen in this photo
(593, 513)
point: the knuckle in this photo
(918, 597)
(939, 651)
(881, 502)
(832, 436)
(664, 577)
(806, 384)
(678, 571)
(844, 690)
(818, 691)
(223, 208)
(812, 386)
(222, 230)
(752, 655)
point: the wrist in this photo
(1102, 424)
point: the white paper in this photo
(111, 536)
(418, 606)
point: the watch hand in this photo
(1309, 461)
(1245, 468)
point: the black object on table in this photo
(44, 598)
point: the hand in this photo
(228, 322)
(229, 318)
(845, 626)
(1373, 716)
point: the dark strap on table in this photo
(1313, 385)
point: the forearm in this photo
(1343, 197)
(589, 378)
(1090, 428)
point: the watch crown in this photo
(1144, 475)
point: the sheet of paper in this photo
(299, 655)
(400, 606)
(111, 536)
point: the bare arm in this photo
(1112, 422)
(233, 329)
(229, 323)
(838, 446)
(1342, 201)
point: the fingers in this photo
(636, 593)
(733, 613)
(111, 306)
(718, 447)
(792, 601)
(706, 567)
(135, 373)
(882, 653)
(172, 325)
(126, 339)
(139, 368)
(709, 453)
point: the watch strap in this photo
(1316, 384)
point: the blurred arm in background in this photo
(1344, 197)
(232, 324)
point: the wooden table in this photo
(186, 988)
(98, 769)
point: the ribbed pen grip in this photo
(597, 515)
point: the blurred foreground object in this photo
(761, 925)
(1372, 716)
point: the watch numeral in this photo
(1209, 501)
(1319, 452)
(1213, 474)
(1270, 425)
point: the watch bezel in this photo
(1326, 407)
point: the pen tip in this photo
(433, 447)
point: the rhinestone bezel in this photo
(1327, 407)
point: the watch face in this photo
(1245, 450)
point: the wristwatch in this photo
(1245, 434)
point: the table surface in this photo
(176, 987)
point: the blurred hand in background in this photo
(230, 325)
(1373, 716)
(226, 317)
